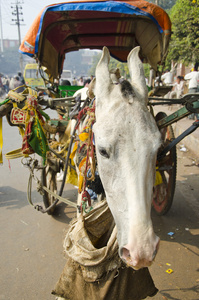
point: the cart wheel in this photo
(48, 179)
(164, 192)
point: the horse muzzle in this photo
(138, 258)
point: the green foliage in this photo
(124, 71)
(121, 66)
(184, 46)
(146, 70)
(112, 65)
(96, 58)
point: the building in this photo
(7, 43)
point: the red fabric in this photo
(26, 148)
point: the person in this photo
(193, 78)
(80, 81)
(5, 82)
(83, 91)
(21, 77)
(1, 85)
(178, 88)
(74, 82)
(167, 77)
(157, 81)
(14, 83)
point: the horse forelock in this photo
(126, 89)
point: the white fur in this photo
(129, 134)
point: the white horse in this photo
(127, 140)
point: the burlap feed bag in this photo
(94, 270)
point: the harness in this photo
(31, 117)
(84, 153)
(84, 150)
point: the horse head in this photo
(127, 140)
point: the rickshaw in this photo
(121, 26)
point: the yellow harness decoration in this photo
(158, 177)
(84, 151)
(72, 177)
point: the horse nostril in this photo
(125, 253)
(127, 257)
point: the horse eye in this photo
(103, 152)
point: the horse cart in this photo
(120, 26)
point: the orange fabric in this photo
(31, 36)
(157, 12)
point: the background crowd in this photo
(9, 83)
(182, 85)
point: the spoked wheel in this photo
(48, 179)
(49, 173)
(164, 192)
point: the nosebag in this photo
(94, 269)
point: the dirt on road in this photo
(176, 268)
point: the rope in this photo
(65, 200)
(41, 189)
(29, 189)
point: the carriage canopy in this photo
(119, 25)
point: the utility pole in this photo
(17, 12)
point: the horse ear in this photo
(91, 89)
(137, 74)
(103, 80)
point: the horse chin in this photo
(142, 264)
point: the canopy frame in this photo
(129, 23)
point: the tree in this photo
(184, 46)
(112, 65)
(124, 71)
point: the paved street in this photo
(32, 256)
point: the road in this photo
(32, 255)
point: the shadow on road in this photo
(179, 252)
(13, 198)
(182, 219)
(63, 212)
(166, 293)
